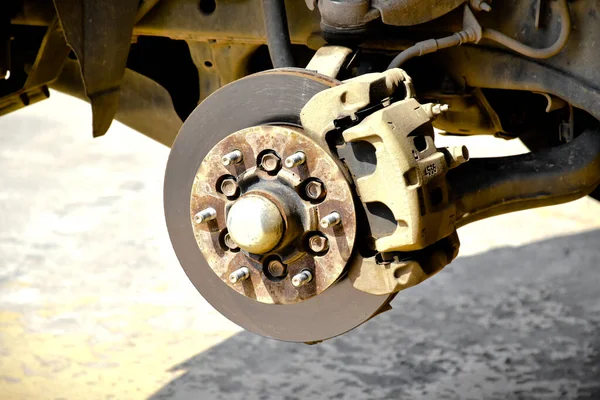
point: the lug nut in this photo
(302, 278)
(318, 243)
(231, 245)
(331, 219)
(295, 159)
(276, 268)
(239, 275)
(205, 215)
(270, 162)
(314, 190)
(229, 187)
(235, 157)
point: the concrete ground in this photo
(93, 303)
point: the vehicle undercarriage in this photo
(304, 188)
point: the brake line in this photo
(554, 49)
(432, 45)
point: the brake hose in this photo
(432, 45)
(559, 44)
(278, 36)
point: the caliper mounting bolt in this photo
(235, 157)
(239, 275)
(270, 162)
(295, 159)
(205, 215)
(302, 278)
(314, 190)
(229, 187)
(331, 219)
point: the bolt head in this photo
(276, 268)
(270, 162)
(230, 243)
(318, 243)
(314, 190)
(229, 187)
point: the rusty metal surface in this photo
(219, 63)
(573, 74)
(326, 268)
(182, 19)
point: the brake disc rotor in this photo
(270, 98)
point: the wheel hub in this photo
(270, 187)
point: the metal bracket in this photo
(320, 113)
(100, 34)
(329, 60)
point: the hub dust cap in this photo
(255, 224)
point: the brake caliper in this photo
(386, 141)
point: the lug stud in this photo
(205, 215)
(229, 187)
(295, 159)
(331, 219)
(302, 278)
(239, 275)
(235, 157)
(318, 243)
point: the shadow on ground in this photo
(513, 323)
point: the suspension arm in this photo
(486, 187)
